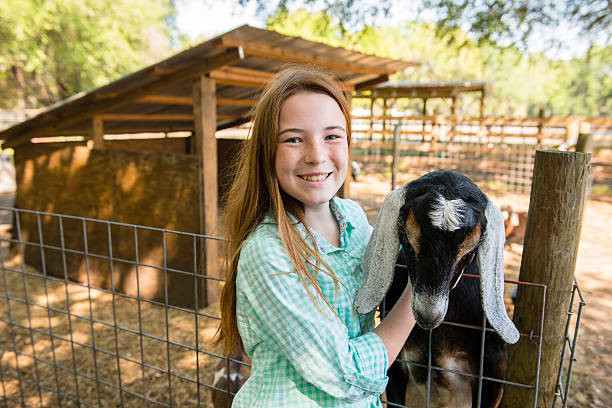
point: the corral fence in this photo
(496, 152)
(65, 342)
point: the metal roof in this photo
(158, 98)
(404, 89)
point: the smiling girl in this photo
(294, 256)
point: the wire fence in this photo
(67, 341)
(493, 152)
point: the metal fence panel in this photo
(66, 342)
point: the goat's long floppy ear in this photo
(491, 264)
(380, 254)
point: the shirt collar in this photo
(344, 221)
(344, 224)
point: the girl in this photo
(294, 258)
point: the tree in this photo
(52, 49)
(508, 22)
(519, 83)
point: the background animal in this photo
(238, 372)
(515, 223)
(447, 227)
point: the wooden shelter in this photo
(425, 91)
(68, 160)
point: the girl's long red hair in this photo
(255, 192)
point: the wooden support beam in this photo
(205, 146)
(395, 162)
(369, 83)
(160, 117)
(236, 102)
(188, 101)
(284, 54)
(138, 117)
(424, 114)
(96, 132)
(550, 250)
(164, 82)
(167, 100)
(248, 72)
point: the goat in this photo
(239, 372)
(446, 225)
(515, 223)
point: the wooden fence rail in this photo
(488, 150)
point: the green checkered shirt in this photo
(301, 356)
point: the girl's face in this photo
(312, 150)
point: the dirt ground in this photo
(144, 352)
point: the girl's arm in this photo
(397, 325)
(275, 312)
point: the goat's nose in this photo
(429, 310)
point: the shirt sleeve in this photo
(313, 339)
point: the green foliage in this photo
(519, 83)
(52, 49)
(506, 22)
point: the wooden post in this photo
(481, 112)
(540, 134)
(394, 164)
(384, 123)
(585, 139)
(371, 138)
(345, 191)
(424, 114)
(452, 118)
(572, 131)
(549, 257)
(96, 132)
(205, 145)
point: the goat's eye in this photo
(466, 260)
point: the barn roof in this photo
(159, 97)
(403, 89)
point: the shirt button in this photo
(345, 255)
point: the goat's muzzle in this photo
(429, 310)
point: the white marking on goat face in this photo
(447, 215)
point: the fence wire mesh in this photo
(566, 367)
(87, 319)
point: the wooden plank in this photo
(371, 82)
(155, 117)
(229, 56)
(286, 54)
(188, 101)
(205, 146)
(558, 192)
(167, 100)
(236, 102)
(159, 117)
(96, 132)
(225, 77)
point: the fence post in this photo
(396, 137)
(552, 233)
(585, 140)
